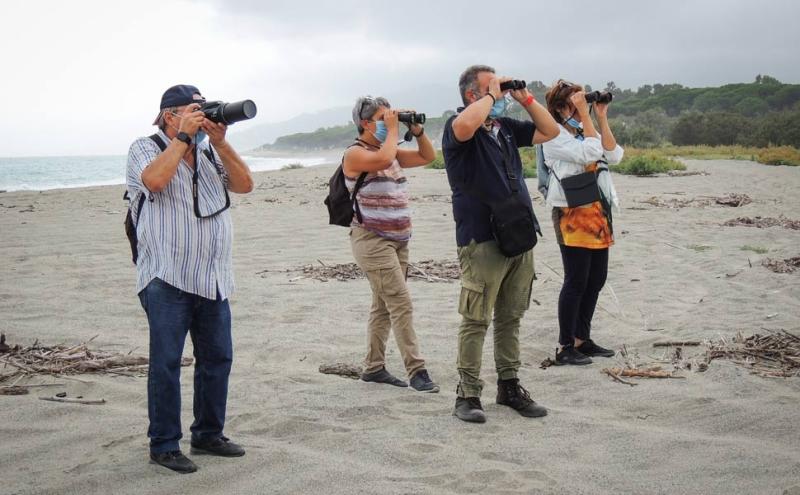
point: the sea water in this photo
(58, 172)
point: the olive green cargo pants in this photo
(491, 286)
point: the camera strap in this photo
(195, 175)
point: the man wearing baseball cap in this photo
(178, 181)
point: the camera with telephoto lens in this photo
(514, 84)
(411, 117)
(599, 97)
(229, 113)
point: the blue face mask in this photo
(573, 123)
(200, 136)
(498, 109)
(380, 131)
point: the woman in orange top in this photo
(584, 232)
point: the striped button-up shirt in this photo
(190, 253)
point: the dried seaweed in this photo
(764, 222)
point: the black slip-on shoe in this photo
(221, 446)
(510, 393)
(569, 355)
(421, 382)
(469, 409)
(589, 348)
(383, 376)
(174, 460)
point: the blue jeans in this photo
(172, 312)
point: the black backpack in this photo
(339, 201)
(130, 227)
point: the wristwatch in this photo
(185, 138)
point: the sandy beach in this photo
(676, 274)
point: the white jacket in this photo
(566, 156)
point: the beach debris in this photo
(428, 270)
(776, 354)
(546, 363)
(433, 198)
(763, 222)
(788, 265)
(651, 372)
(77, 400)
(734, 200)
(685, 343)
(615, 376)
(61, 360)
(14, 390)
(342, 369)
(686, 173)
(731, 199)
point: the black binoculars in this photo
(513, 84)
(599, 97)
(411, 117)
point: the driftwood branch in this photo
(686, 343)
(91, 402)
(342, 369)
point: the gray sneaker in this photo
(421, 382)
(383, 376)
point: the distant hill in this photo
(764, 112)
(431, 98)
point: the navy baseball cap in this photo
(178, 96)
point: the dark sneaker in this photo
(510, 393)
(469, 409)
(383, 376)
(421, 382)
(174, 460)
(569, 355)
(589, 348)
(221, 446)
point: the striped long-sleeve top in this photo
(190, 253)
(383, 200)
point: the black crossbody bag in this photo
(513, 222)
(581, 189)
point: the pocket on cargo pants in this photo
(472, 302)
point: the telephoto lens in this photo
(411, 117)
(229, 113)
(599, 97)
(514, 84)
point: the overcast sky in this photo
(86, 77)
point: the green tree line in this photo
(763, 113)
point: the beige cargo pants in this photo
(385, 262)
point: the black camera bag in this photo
(581, 189)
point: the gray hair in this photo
(161, 121)
(469, 80)
(365, 108)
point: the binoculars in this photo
(599, 97)
(411, 117)
(513, 84)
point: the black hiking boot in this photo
(510, 393)
(174, 460)
(421, 382)
(383, 376)
(469, 409)
(569, 355)
(221, 446)
(589, 348)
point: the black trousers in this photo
(585, 272)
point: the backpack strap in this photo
(162, 146)
(359, 182)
